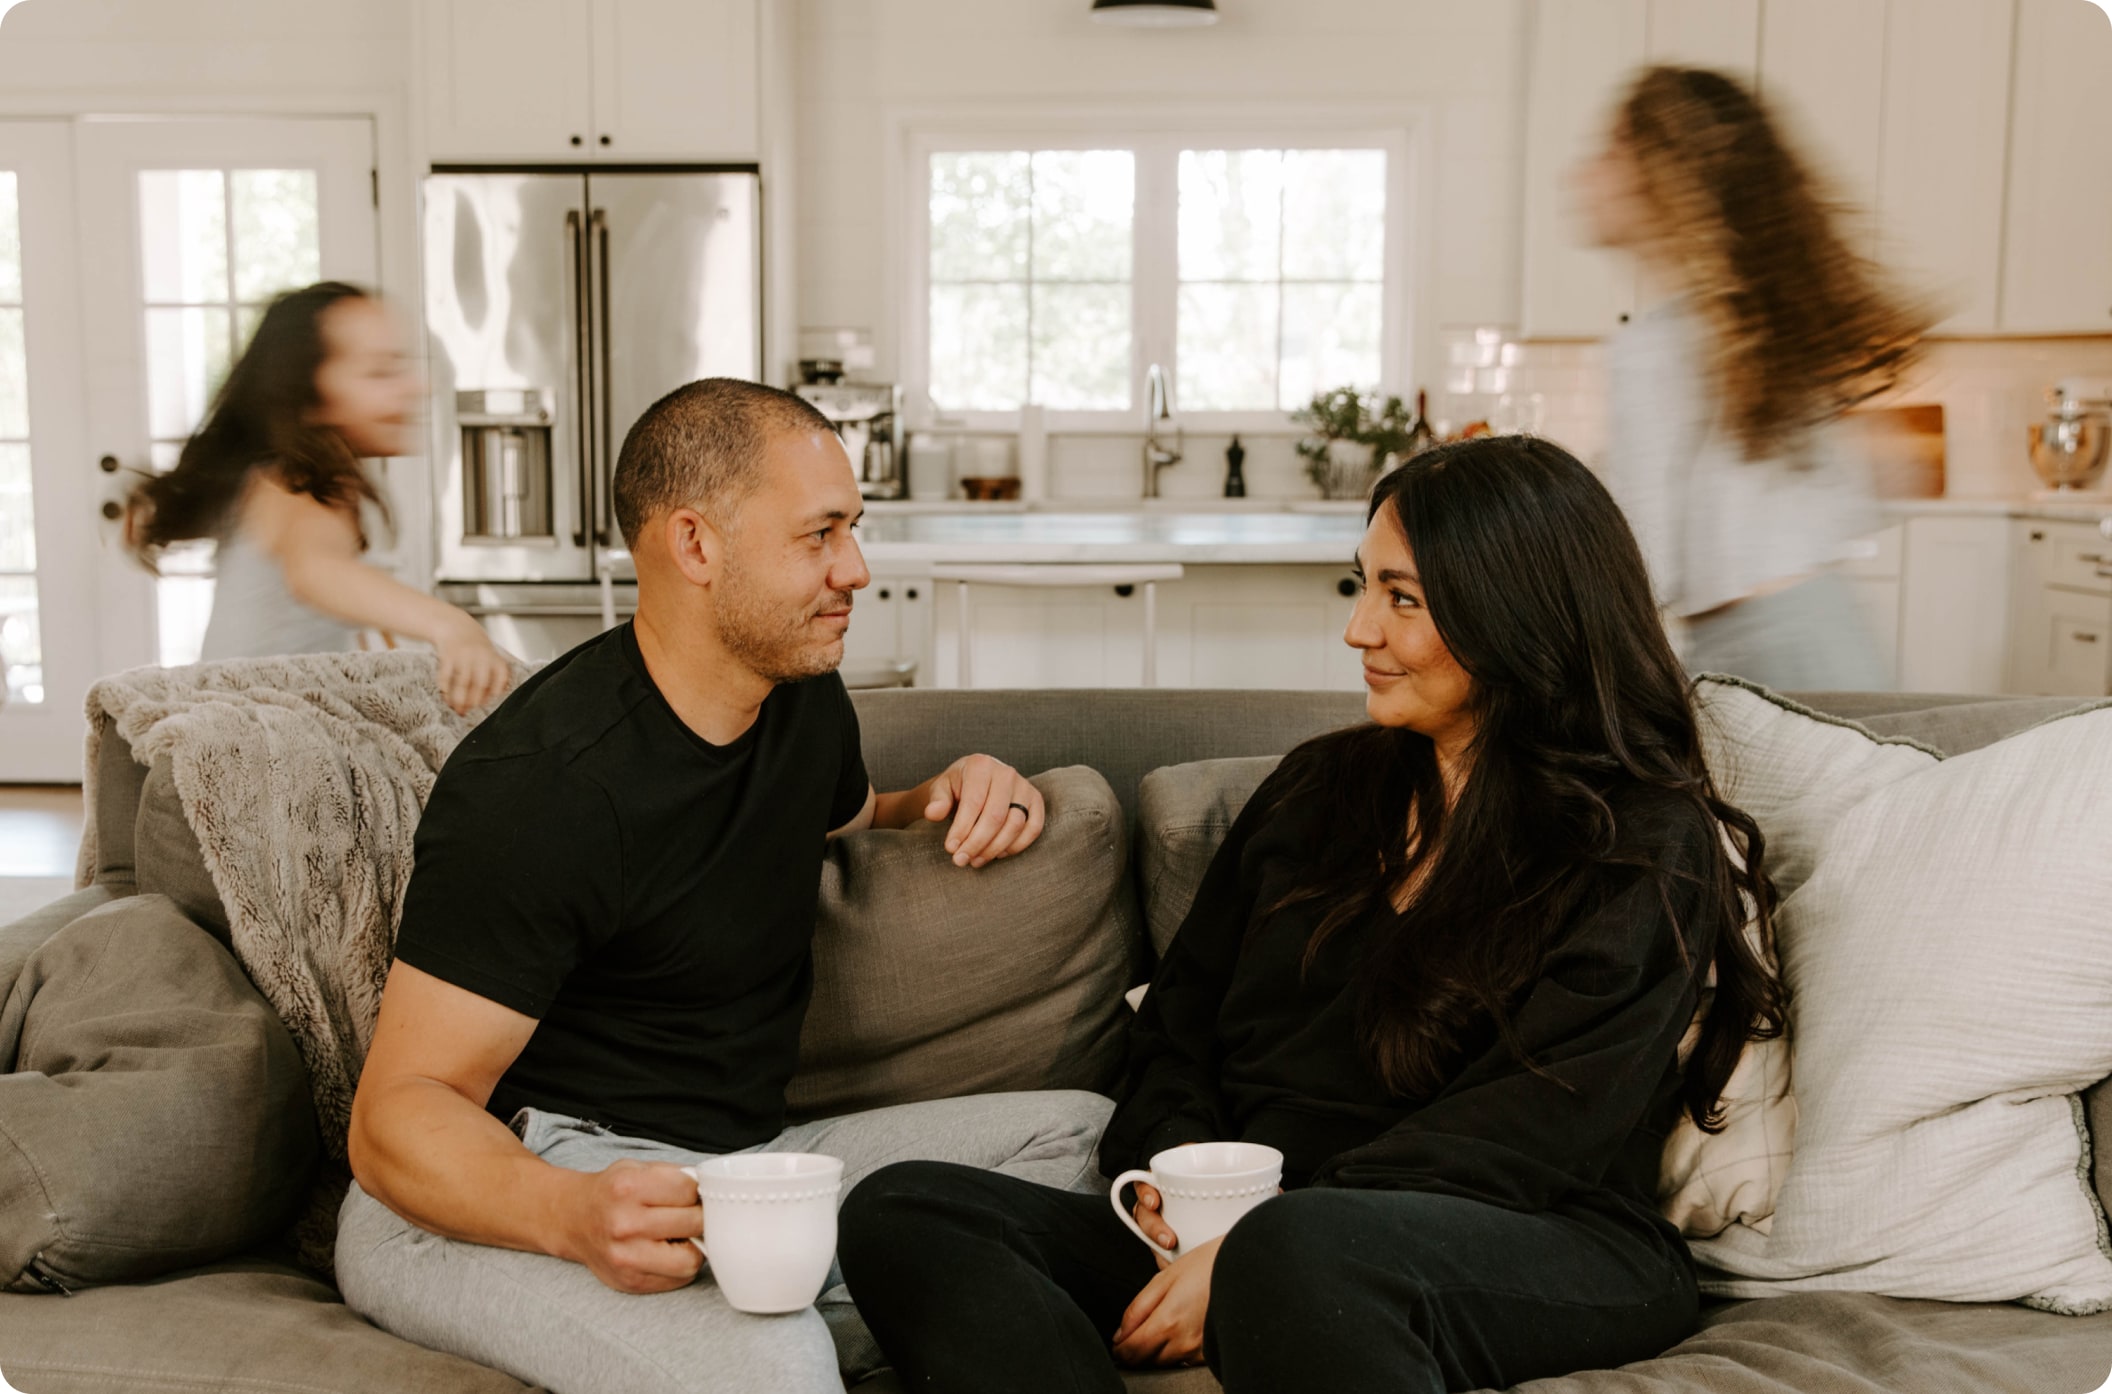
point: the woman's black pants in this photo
(973, 1281)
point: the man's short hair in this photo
(703, 446)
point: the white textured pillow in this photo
(1948, 951)
(1796, 773)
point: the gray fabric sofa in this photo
(256, 1322)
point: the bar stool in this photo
(1051, 575)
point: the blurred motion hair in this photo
(1802, 326)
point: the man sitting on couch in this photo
(606, 941)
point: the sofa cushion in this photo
(932, 981)
(1183, 813)
(154, 1115)
(166, 856)
(1951, 998)
(253, 1324)
(1957, 727)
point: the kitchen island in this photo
(895, 541)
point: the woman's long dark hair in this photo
(1537, 587)
(260, 418)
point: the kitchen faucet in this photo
(1158, 407)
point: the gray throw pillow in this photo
(1183, 813)
(154, 1113)
(933, 981)
(166, 857)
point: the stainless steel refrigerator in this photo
(558, 307)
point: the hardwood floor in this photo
(40, 832)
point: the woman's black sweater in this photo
(1237, 1041)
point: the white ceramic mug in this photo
(1204, 1187)
(769, 1226)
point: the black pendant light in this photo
(1156, 14)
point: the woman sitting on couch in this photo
(1443, 962)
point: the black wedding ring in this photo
(1023, 811)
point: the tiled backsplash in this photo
(1991, 390)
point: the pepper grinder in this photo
(1235, 482)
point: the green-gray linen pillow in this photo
(154, 1113)
(933, 981)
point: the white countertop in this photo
(893, 540)
(2080, 508)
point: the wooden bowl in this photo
(990, 488)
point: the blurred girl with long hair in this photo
(1763, 326)
(275, 476)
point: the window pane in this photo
(21, 639)
(1330, 339)
(182, 606)
(187, 356)
(1231, 214)
(1081, 347)
(247, 318)
(1334, 215)
(980, 205)
(183, 234)
(1227, 348)
(14, 378)
(1084, 203)
(18, 533)
(275, 232)
(979, 347)
(10, 240)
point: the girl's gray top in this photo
(255, 614)
(1714, 526)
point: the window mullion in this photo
(1156, 274)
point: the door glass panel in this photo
(21, 648)
(194, 225)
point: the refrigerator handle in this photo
(575, 243)
(605, 464)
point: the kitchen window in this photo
(1054, 272)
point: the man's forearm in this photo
(447, 1166)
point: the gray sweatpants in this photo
(550, 1322)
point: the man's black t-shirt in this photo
(588, 860)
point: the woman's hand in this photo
(1164, 1325)
(472, 670)
(1152, 1220)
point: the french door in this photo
(202, 222)
(136, 255)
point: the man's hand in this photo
(996, 812)
(1164, 1325)
(631, 1225)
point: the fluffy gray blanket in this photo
(303, 779)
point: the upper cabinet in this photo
(2057, 258)
(1583, 54)
(612, 80)
(1961, 130)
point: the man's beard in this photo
(773, 644)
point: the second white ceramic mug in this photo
(769, 1226)
(1204, 1187)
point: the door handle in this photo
(583, 503)
(605, 467)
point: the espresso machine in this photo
(869, 418)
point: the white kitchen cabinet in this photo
(675, 79)
(1946, 129)
(1258, 627)
(1220, 626)
(1580, 54)
(1581, 57)
(1822, 72)
(1073, 636)
(617, 80)
(1873, 576)
(507, 79)
(2060, 610)
(891, 620)
(2057, 257)
(1954, 605)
